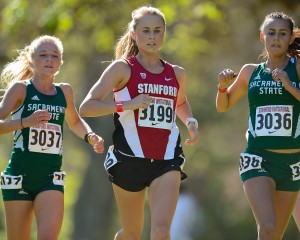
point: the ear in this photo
(292, 38)
(132, 35)
(262, 37)
(30, 63)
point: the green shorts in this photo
(24, 180)
(283, 168)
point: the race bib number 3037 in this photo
(45, 138)
(159, 114)
(274, 120)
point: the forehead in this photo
(276, 23)
(47, 47)
(150, 20)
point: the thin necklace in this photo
(270, 69)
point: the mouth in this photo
(275, 46)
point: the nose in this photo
(276, 37)
(151, 35)
(49, 58)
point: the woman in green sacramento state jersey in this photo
(270, 165)
(33, 182)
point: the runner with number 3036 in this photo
(274, 120)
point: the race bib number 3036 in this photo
(274, 120)
(159, 114)
(45, 138)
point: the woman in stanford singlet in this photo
(136, 131)
(147, 155)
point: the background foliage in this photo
(203, 36)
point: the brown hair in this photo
(20, 69)
(126, 46)
(294, 48)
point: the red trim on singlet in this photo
(153, 141)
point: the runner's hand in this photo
(225, 78)
(194, 134)
(97, 142)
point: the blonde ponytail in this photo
(126, 46)
(17, 70)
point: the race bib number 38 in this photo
(45, 138)
(274, 120)
(159, 114)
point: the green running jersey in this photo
(43, 141)
(274, 112)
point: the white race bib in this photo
(45, 138)
(11, 182)
(296, 171)
(249, 162)
(59, 178)
(110, 159)
(274, 120)
(159, 114)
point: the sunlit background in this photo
(204, 37)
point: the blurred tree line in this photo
(203, 36)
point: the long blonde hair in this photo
(20, 69)
(126, 46)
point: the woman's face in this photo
(46, 59)
(277, 37)
(149, 33)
